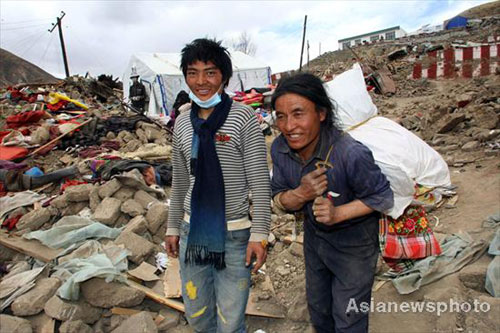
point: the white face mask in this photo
(209, 103)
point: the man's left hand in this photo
(256, 249)
(324, 210)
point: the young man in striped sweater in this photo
(219, 156)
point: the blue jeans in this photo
(340, 268)
(215, 300)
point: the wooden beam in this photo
(32, 248)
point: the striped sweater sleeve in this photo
(180, 184)
(254, 153)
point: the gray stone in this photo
(283, 271)
(34, 300)
(60, 202)
(124, 193)
(75, 326)
(108, 211)
(296, 249)
(34, 219)
(138, 246)
(132, 208)
(152, 133)
(41, 323)
(447, 149)
(140, 322)
(78, 192)
(141, 135)
(449, 122)
(65, 310)
(122, 220)
(471, 146)
(74, 208)
(144, 198)
(110, 136)
(109, 188)
(171, 320)
(137, 225)
(94, 198)
(156, 216)
(99, 293)
(11, 324)
(132, 145)
(40, 136)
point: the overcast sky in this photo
(101, 36)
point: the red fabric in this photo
(24, 131)
(25, 118)
(11, 222)
(408, 237)
(69, 183)
(57, 106)
(11, 153)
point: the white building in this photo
(374, 36)
(427, 29)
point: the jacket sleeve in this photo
(180, 185)
(254, 153)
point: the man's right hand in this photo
(172, 246)
(313, 185)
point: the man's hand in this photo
(324, 210)
(172, 246)
(313, 185)
(259, 251)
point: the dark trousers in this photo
(340, 268)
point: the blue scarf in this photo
(207, 228)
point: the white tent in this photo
(161, 74)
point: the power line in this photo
(42, 58)
(27, 21)
(24, 27)
(22, 41)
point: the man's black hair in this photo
(311, 87)
(206, 50)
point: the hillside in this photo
(14, 70)
(484, 10)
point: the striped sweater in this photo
(242, 154)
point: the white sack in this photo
(403, 157)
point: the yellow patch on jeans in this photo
(191, 290)
(199, 313)
(219, 312)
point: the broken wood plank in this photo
(172, 279)
(32, 248)
(179, 306)
(129, 312)
(253, 309)
(33, 153)
(261, 309)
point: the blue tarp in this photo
(456, 22)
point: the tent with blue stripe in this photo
(161, 74)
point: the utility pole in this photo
(308, 53)
(61, 39)
(319, 48)
(303, 40)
